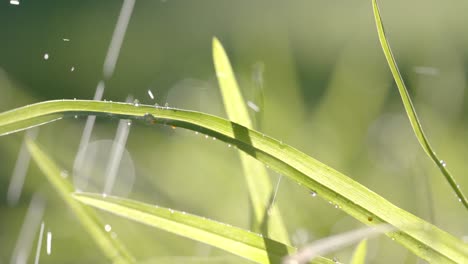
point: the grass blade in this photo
(240, 242)
(258, 182)
(426, 241)
(359, 255)
(410, 110)
(112, 248)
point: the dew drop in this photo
(129, 122)
(136, 102)
(214, 138)
(313, 194)
(229, 145)
(76, 116)
(108, 228)
(166, 105)
(459, 200)
(46, 56)
(104, 195)
(196, 132)
(171, 211)
(206, 136)
(442, 162)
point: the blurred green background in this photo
(327, 91)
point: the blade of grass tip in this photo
(258, 182)
(332, 243)
(409, 107)
(359, 254)
(240, 242)
(428, 242)
(112, 248)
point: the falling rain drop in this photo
(66, 40)
(442, 162)
(72, 69)
(46, 56)
(108, 228)
(14, 2)
(49, 243)
(150, 94)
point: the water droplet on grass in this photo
(442, 162)
(108, 228)
(313, 194)
(229, 145)
(64, 174)
(206, 136)
(136, 102)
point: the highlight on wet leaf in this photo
(427, 241)
(411, 111)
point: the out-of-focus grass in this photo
(325, 81)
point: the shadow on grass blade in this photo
(267, 218)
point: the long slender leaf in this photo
(426, 241)
(410, 110)
(238, 241)
(258, 182)
(112, 248)
(359, 254)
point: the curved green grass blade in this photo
(112, 248)
(258, 182)
(359, 254)
(240, 242)
(410, 110)
(420, 237)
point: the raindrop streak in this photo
(272, 203)
(150, 94)
(108, 228)
(39, 244)
(14, 2)
(253, 106)
(86, 136)
(118, 147)
(49, 243)
(21, 167)
(66, 40)
(46, 56)
(117, 37)
(28, 230)
(108, 69)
